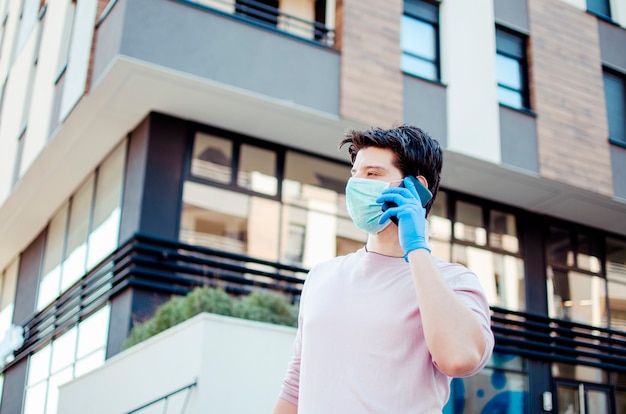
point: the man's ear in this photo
(422, 180)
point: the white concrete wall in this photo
(238, 365)
(39, 121)
(78, 57)
(468, 67)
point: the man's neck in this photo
(385, 242)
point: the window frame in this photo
(522, 59)
(620, 141)
(414, 9)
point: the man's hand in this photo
(410, 213)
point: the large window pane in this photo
(501, 276)
(212, 158)
(615, 96)
(76, 248)
(509, 72)
(469, 224)
(577, 297)
(418, 38)
(503, 231)
(53, 256)
(103, 238)
(8, 283)
(440, 228)
(314, 201)
(560, 247)
(511, 69)
(257, 170)
(616, 275)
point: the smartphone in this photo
(424, 193)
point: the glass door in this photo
(580, 398)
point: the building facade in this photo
(151, 146)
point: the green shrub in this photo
(258, 306)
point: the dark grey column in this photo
(24, 307)
(151, 205)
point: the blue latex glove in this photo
(410, 213)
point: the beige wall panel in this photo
(567, 91)
(371, 80)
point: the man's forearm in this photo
(285, 407)
(453, 333)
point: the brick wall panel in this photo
(568, 96)
(371, 80)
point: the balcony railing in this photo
(176, 268)
(271, 17)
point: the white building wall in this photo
(49, 61)
(468, 69)
(78, 58)
(13, 110)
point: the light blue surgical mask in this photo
(361, 195)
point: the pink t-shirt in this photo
(360, 345)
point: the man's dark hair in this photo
(416, 153)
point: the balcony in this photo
(209, 363)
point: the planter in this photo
(209, 363)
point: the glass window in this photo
(616, 275)
(501, 276)
(60, 361)
(577, 297)
(560, 247)
(615, 98)
(8, 283)
(469, 224)
(212, 158)
(419, 39)
(53, 256)
(313, 193)
(104, 234)
(600, 7)
(257, 170)
(511, 69)
(440, 227)
(74, 262)
(503, 231)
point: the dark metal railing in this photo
(172, 267)
(260, 13)
(165, 400)
(540, 337)
(166, 266)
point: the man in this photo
(384, 329)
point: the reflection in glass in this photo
(76, 242)
(501, 276)
(620, 402)
(503, 231)
(53, 255)
(616, 274)
(57, 362)
(568, 399)
(469, 225)
(212, 158)
(418, 40)
(509, 72)
(510, 98)
(35, 398)
(63, 350)
(257, 170)
(560, 247)
(103, 238)
(587, 257)
(577, 297)
(597, 401)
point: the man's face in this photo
(376, 164)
